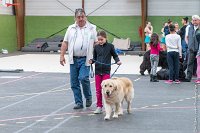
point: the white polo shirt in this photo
(81, 41)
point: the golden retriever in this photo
(114, 91)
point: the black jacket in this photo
(102, 58)
(182, 32)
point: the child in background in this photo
(103, 52)
(154, 56)
(174, 52)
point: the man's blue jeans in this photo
(184, 54)
(79, 73)
(184, 49)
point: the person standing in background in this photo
(198, 55)
(174, 52)
(163, 45)
(193, 47)
(154, 56)
(148, 30)
(166, 28)
(176, 27)
(183, 43)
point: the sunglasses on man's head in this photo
(79, 11)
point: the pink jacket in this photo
(155, 50)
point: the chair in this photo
(121, 45)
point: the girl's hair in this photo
(169, 21)
(185, 19)
(171, 27)
(102, 33)
(154, 40)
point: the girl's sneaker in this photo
(169, 81)
(197, 81)
(177, 81)
(98, 110)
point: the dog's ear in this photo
(102, 84)
(115, 87)
(114, 84)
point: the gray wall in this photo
(112, 8)
(54, 8)
(173, 7)
(5, 10)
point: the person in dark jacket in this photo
(166, 28)
(102, 59)
(193, 47)
(183, 43)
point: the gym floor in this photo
(42, 102)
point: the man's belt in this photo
(78, 57)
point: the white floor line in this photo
(59, 118)
(47, 115)
(2, 108)
(21, 122)
(10, 77)
(43, 118)
(137, 79)
(58, 125)
(29, 94)
(20, 79)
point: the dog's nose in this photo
(107, 92)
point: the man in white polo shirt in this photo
(79, 40)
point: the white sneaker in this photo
(98, 110)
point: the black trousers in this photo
(191, 64)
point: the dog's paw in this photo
(106, 118)
(120, 113)
(115, 116)
(129, 111)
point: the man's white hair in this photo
(194, 17)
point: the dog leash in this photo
(115, 71)
(92, 70)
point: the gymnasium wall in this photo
(44, 26)
(122, 26)
(8, 34)
(121, 17)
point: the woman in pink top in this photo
(154, 56)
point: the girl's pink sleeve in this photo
(159, 48)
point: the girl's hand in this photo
(119, 63)
(90, 61)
